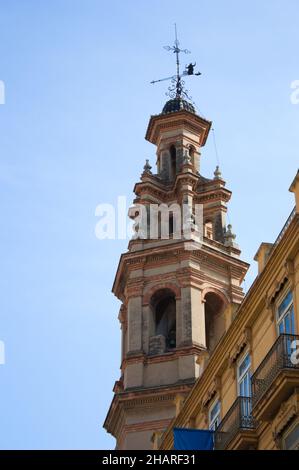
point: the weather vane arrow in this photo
(177, 88)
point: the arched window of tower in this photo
(214, 319)
(171, 225)
(191, 153)
(163, 308)
(208, 229)
(173, 164)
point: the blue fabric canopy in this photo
(193, 439)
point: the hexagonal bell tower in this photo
(177, 299)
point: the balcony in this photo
(237, 429)
(275, 379)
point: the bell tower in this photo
(177, 299)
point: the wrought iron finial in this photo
(176, 89)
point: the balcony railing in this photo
(278, 358)
(237, 419)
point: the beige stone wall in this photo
(137, 440)
(141, 422)
(263, 336)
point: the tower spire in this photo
(177, 51)
(176, 89)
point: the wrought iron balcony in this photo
(276, 376)
(238, 425)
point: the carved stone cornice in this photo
(158, 124)
(221, 194)
(144, 398)
(136, 357)
(277, 286)
(244, 342)
(290, 272)
(212, 392)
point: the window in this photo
(171, 225)
(172, 162)
(214, 319)
(214, 416)
(290, 440)
(244, 377)
(164, 306)
(208, 230)
(285, 315)
(191, 153)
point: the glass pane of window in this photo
(292, 320)
(291, 441)
(285, 303)
(246, 408)
(287, 325)
(244, 365)
(285, 315)
(214, 416)
(244, 382)
(244, 386)
(215, 410)
(214, 424)
(281, 328)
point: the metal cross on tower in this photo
(176, 90)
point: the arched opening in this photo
(172, 151)
(214, 319)
(191, 153)
(208, 229)
(171, 225)
(163, 305)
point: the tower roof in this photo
(178, 104)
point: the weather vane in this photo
(176, 89)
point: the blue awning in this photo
(193, 439)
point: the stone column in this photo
(122, 321)
(186, 332)
(148, 327)
(179, 323)
(133, 372)
(134, 333)
(165, 165)
(198, 317)
(193, 317)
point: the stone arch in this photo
(162, 312)
(215, 302)
(208, 228)
(162, 285)
(220, 292)
(163, 305)
(173, 162)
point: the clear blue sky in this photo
(78, 100)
